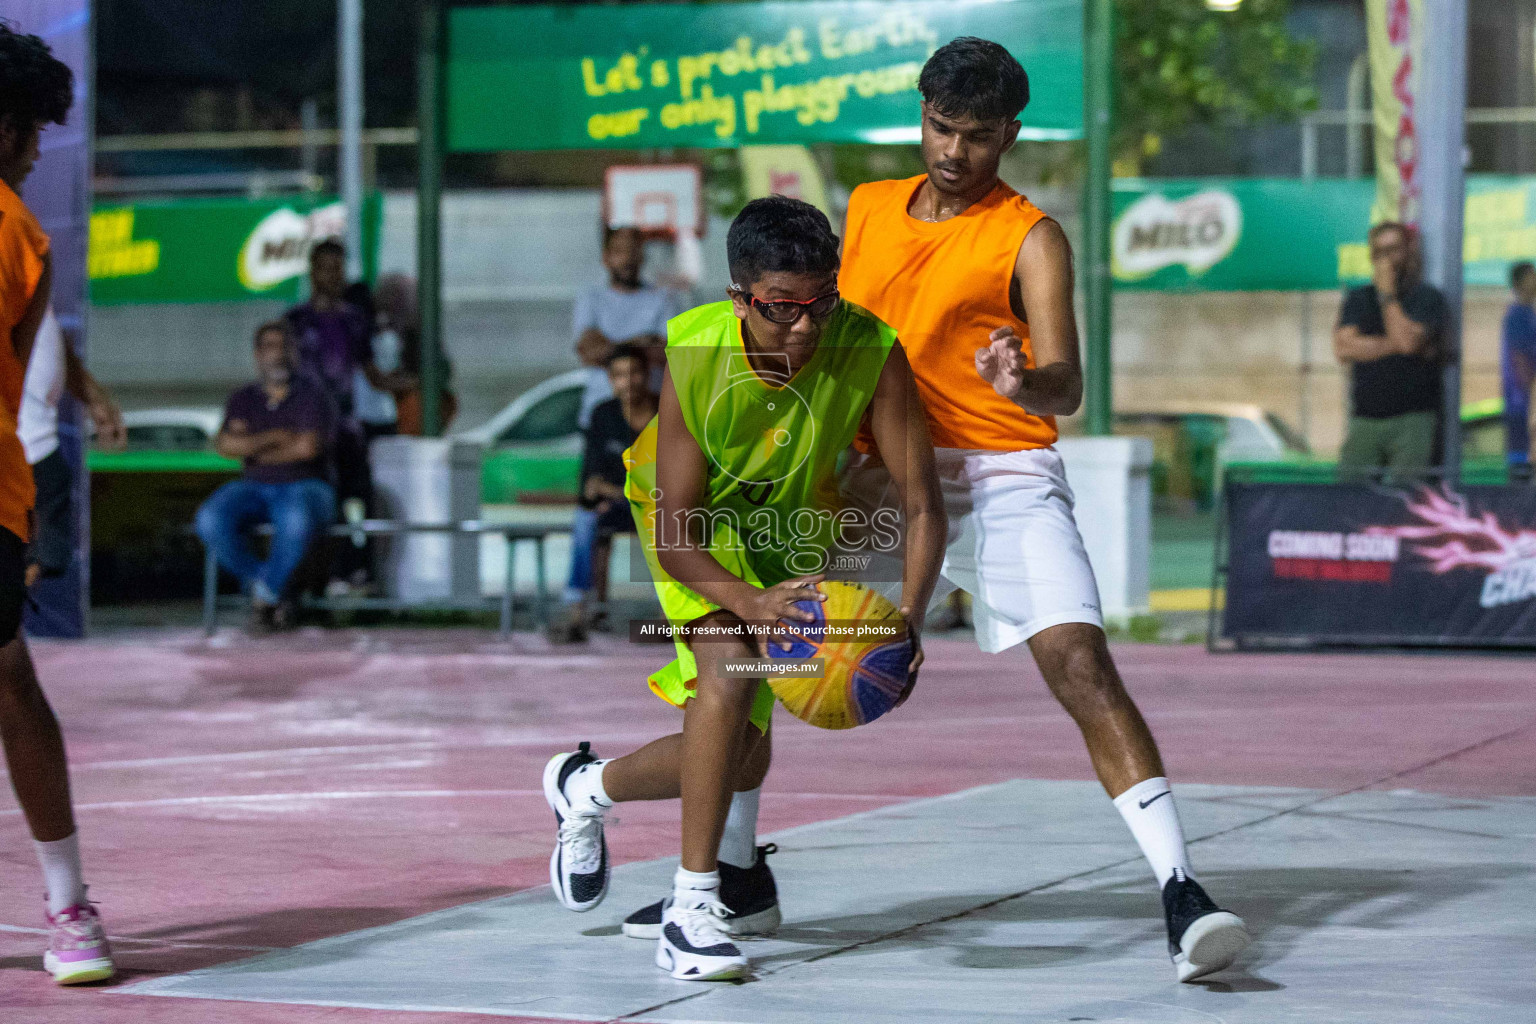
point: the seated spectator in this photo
(626, 309)
(282, 428)
(1389, 336)
(604, 509)
(397, 352)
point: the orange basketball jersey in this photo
(23, 252)
(944, 287)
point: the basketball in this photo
(865, 644)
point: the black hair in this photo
(1518, 271)
(779, 233)
(609, 233)
(976, 78)
(280, 326)
(625, 350)
(36, 88)
(328, 245)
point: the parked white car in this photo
(178, 429)
(533, 446)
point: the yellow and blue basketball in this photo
(866, 646)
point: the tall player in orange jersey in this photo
(35, 89)
(978, 283)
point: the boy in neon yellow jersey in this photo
(734, 490)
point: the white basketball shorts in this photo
(1013, 542)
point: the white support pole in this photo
(1356, 102)
(1304, 370)
(1442, 149)
(349, 104)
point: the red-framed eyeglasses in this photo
(787, 311)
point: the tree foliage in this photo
(1181, 65)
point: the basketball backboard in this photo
(660, 199)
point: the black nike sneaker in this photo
(578, 869)
(749, 894)
(1202, 938)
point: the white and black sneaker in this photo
(578, 869)
(749, 894)
(1202, 938)
(694, 945)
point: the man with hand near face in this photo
(1389, 337)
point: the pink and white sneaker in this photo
(77, 947)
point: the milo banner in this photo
(1395, 36)
(1379, 565)
(1286, 234)
(215, 250)
(574, 76)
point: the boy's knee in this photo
(1083, 677)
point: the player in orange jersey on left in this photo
(36, 89)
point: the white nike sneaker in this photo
(578, 869)
(694, 945)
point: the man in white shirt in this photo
(54, 369)
(625, 310)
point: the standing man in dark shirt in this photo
(613, 428)
(1517, 368)
(334, 339)
(281, 428)
(1389, 335)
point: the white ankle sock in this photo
(738, 845)
(584, 789)
(693, 887)
(1148, 810)
(61, 872)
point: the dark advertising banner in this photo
(58, 192)
(1369, 564)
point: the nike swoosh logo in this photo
(1144, 804)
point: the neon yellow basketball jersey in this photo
(771, 441)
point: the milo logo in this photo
(1154, 233)
(277, 249)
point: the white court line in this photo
(378, 794)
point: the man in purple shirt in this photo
(1519, 368)
(334, 345)
(282, 428)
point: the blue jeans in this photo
(583, 540)
(298, 511)
(1517, 425)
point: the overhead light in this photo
(1225, 6)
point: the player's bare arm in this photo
(1042, 283)
(680, 477)
(899, 425)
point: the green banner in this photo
(215, 250)
(576, 76)
(1284, 234)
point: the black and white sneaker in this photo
(694, 945)
(1202, 938)
(578, 869)
(749, 894)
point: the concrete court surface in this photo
(1371, 815)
